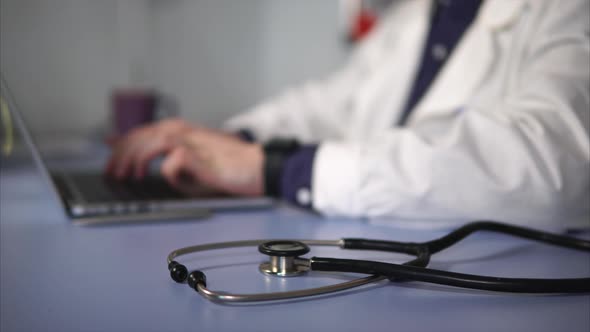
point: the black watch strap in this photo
(276, 153)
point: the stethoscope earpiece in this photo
(195, 278)
(178, 272)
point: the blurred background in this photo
(214, 58)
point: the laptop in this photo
(88, 197)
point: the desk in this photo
(55, 276)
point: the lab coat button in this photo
(304, 196)
(439, 52)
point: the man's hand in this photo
(217, 160)
(133, 152)
(194, 157)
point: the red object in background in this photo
(362, 24)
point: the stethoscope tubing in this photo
(414, 270)
(399, 272)
(217, 296)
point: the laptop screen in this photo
(18, 151)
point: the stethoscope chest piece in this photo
(283, 256)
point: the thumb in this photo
(178, 173)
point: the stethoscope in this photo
(285, 261)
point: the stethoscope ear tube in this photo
(409, 248)
(399, 272)
(416, 270)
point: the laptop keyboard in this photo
(90, 195)
(97, 189)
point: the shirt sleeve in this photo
(296, 177)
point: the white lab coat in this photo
(502, 133)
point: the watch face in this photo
(283, 248)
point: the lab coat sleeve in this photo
(523, 160)
(301, 113)
(307, 112)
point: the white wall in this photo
(302, 40)
(135, 42)
(208, 54)
(61, 58)
(219, 57)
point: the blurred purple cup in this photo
(132, 108)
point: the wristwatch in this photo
(276, 152)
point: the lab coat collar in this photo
(469, 63)
(500, 14)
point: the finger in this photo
(149, 143)
(142, 159)
(125, 165)
(112, 140)
(173, 166)
(121, 160)
(109, 166)
(178, 170)
(119, 146)
(113, 161)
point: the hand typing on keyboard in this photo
(193, 155)
(217, 160)
(133, 152)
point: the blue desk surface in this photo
(55, 276)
